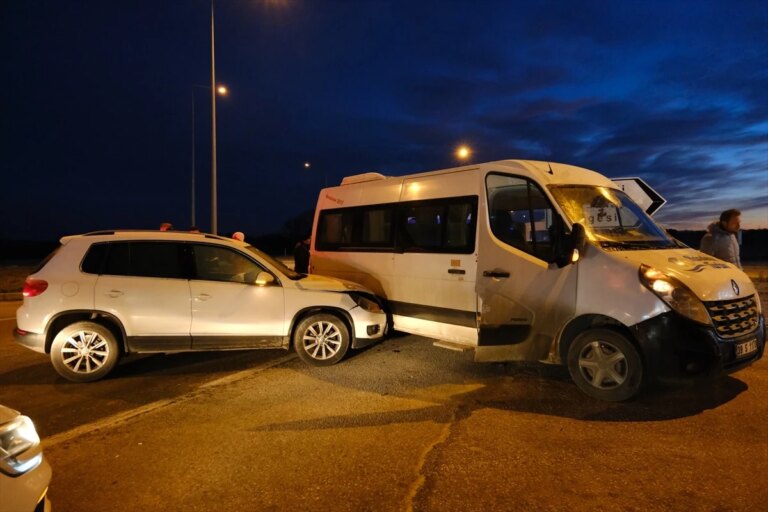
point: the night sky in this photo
(96, 102)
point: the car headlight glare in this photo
(675, 294)
(20, 449)
(367, 304)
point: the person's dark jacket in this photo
(301, 258)
(721, 244)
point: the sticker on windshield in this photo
(602, 216)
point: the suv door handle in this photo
(114, 293)
(202, 297)
(456, 271)
(495, 273)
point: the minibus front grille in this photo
(733, 318)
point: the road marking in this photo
(122, 417)
(6, 319)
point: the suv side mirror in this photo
(264, 279)
(570, 246)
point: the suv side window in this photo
(146, 259)
(520, 215)
(213, 263)
(93, 261)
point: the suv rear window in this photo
(145, 259)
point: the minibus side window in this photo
(365, 228)
(520, 215)
(423, 227)
(438, 225)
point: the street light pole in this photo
(221, 91)
(193, 157)
(214, 206)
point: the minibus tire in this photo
(309, 330)
(100, 347)
(606, 356)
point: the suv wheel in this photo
(605, 365)
(84, 352)
(321, 340)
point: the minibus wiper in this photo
(634, 245)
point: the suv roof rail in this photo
(96, 233)
(179, 231)
(215, 237)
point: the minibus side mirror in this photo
(571, 246)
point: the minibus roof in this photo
(547, 173)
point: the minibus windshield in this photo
(610, 218)
(289, 273)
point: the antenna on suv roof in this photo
(550, 168)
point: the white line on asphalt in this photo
(124, 416)
(6, 319)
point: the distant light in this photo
(463, 152)
(306, 165)
(222, 90)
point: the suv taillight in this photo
(34, 287)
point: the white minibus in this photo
(537, 261)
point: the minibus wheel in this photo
(321, 340)
(605, 365)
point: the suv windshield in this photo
(611, 218)
(290, 274)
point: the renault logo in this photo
(735, 287)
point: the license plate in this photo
(743, 349)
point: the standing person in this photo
(301, 256)
(720, 238)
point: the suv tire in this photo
(84, 352)
(321, 339)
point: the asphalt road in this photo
(399, 426)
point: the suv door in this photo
(524, 298)
(145, 285)
(229, 310)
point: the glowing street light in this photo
(463, 152)
(222, 90)
(307, 165)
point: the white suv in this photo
(109, 293)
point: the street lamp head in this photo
(306, 165)
(222, 90)
(463, 152)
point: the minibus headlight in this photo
(675, 294)
(364, 302)
(19, 447)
